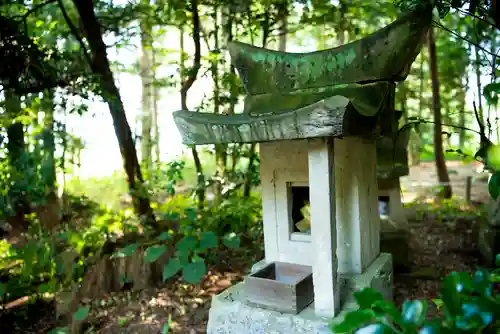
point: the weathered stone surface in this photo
(367, 99)
(338, 112)
(385, 55)
(229, 313)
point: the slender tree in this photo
(441, 168)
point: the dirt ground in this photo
(436, 247)
(422, 181)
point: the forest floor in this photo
(437, 246)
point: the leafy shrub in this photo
(235, 214)
(471, 304)
(162, 180)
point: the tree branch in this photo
(74, 32)
(186, 85)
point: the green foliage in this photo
(494, 185)
(446, 209)
(164, 178)
(470, 302)
(235, 214)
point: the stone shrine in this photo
(317, 117)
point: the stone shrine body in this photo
(317, 117)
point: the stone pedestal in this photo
(230, 314)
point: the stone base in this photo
(489, 243)
(230, 314)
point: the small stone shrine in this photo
(392, 163)
(317, 117)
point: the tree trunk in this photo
(49, 212)
(341, 28)
(146, 73)
(220, 149)
(418, 138)
(110, 93)
(462, 120)
(49, 145)
(478, 81)
(15, 151)
(186, 85)
(442, 171)
(156, 125)
(494, 77)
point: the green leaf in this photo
(46, 287)
(164, 236)
(374, 329)
(431, 327)
(497, 260)
(208, 240)
(165, 328)
(367, 297)
(453, 285)
(384, 307)
(59, 330)
(81, 313)
(354, 320)
(171, 268)
(187, 244)
(153, 253)
(231, 240)
(414, 312)
(126, 251)
(438, 302)
(491, 91)
(191, 214)
(194, 271)
(493, 157)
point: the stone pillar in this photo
(358, 224)
(323, 226)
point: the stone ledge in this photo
(230, 314)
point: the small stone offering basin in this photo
(280, 286)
